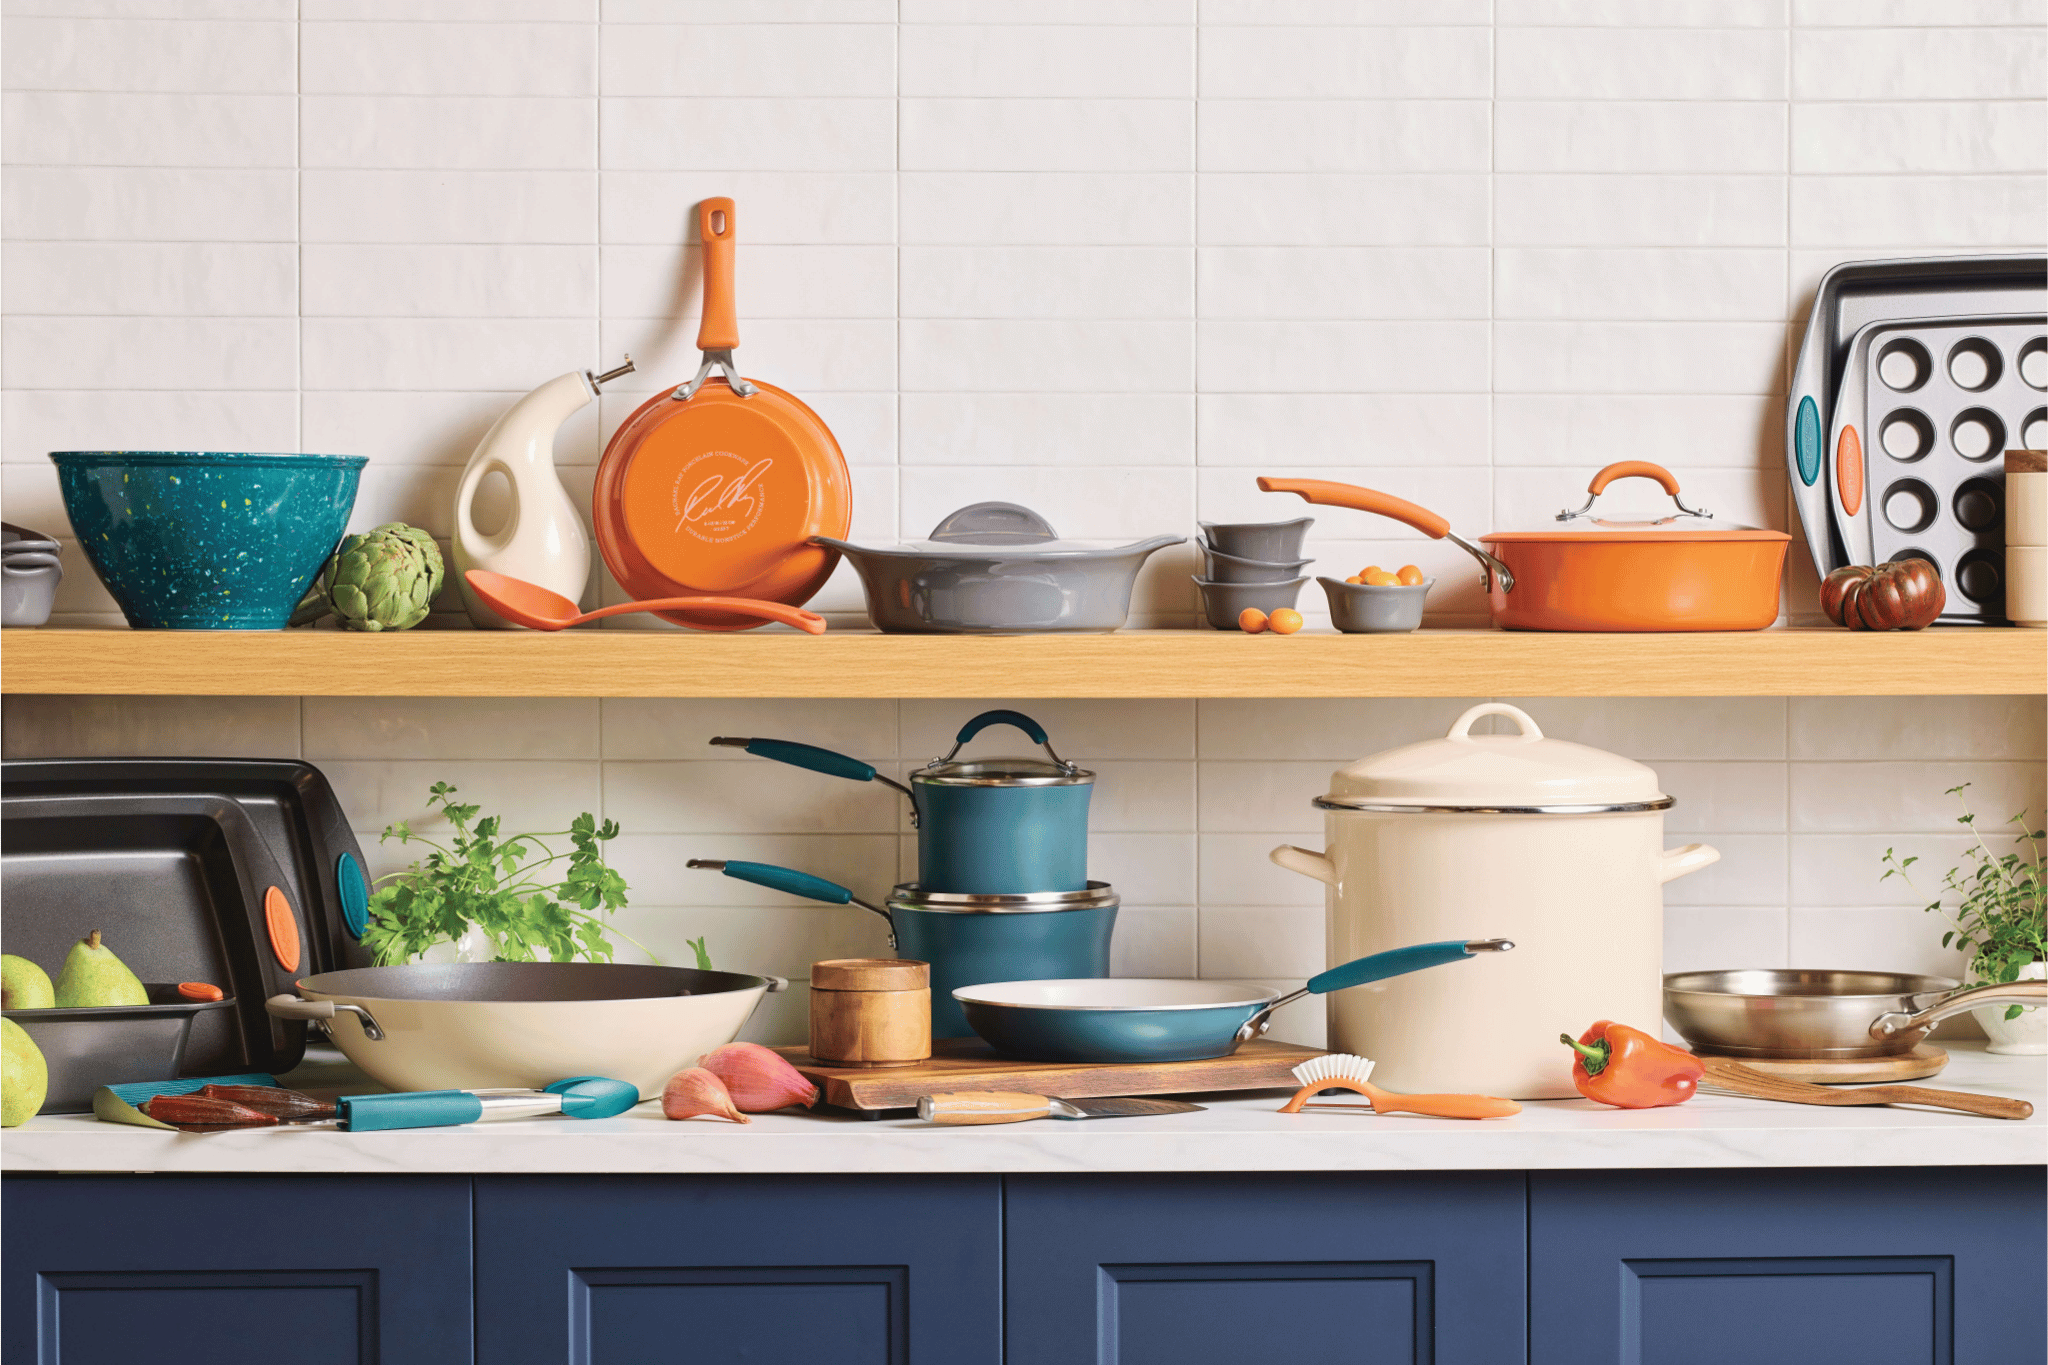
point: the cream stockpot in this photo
(1555, 845)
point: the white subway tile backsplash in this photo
(1320, 63)
(1327, 209)
(1045, 135)
(1042, 59)
(1921, 63)
(1045, 208)
(1645, 210)
(1344, 282)
(149, 353)
(117, 128)
(212, 58)
(1086, 429)
(1688, 137)
(1345, 135)
(1112, 260)
(413, 58)
(1887, 139)
(1631, 63)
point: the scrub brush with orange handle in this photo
(1343, 1070)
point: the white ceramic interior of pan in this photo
(1114, 993)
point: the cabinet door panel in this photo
(355, 1270)
(1315, 1269)
(1883, 1267)
(771, 1270)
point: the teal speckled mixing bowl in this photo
(191, 540)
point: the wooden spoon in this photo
(1726, 1075)
(537, 608)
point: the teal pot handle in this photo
(792, 881)
(999, 717)
(817, 760)
(1377, 967)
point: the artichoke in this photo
(383, 579)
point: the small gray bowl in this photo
(1269, 542)
(30, 570)
(1225, 601)
(1367, 609)
(1225, 568)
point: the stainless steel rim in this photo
(1079, 779)
(1702, 984)
(1095, 896)
(1611, 808)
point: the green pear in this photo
(24, 985)
(24, 1075)
(93, 976)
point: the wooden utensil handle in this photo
(983, 1106)
(1990, 1106)
(720, 328)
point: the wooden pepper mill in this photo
(871, 1011)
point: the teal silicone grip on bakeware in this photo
(1806, 442)
(411, 1109)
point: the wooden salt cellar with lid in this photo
(871, 1011)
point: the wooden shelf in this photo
(1164, 663)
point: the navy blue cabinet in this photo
(196, 1270)
(767, 1270)
(1881, 1267)
(1309, 1269)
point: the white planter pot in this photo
(2026, 1036)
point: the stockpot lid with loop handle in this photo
(1050, 771)
(1520, 774)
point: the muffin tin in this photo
(1925, 412)
(1852, 296)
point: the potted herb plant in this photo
(1997, 918)
(502, 897)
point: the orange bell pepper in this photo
(1630, 1069)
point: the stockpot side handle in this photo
(321, 1012)
(1891, 1024)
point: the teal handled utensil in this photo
(577, 1097)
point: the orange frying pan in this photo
(717, 488)
(1682, 571)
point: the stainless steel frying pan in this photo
(1822, 1015)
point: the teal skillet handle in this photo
(594, 1097)
(411, 1109)
(988, 718)
(806, 756)
(780, 879)
(1398, 962)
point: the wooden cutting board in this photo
(968, 1064)
(1924, 1060)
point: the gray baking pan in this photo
(1853, 295)
(1939, 404)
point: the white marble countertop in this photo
(1239, 1132)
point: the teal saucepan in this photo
(1136, 1019)
(992, 826)
(968, 938)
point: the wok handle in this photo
(1360, 499)
(720, 328)
(321, 1011)
(1892, 1024)
(982, 1106)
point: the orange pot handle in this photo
(1363, 500)
(1633, 469)
(720, 328)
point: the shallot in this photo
(696, 1091)
(759, 1080)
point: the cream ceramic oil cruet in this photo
(543, 539)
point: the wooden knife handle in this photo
(1990, 1106)
(983, 1106)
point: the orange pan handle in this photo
(1361, 500)
(1633, 469)
(720, 328)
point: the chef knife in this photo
(1005, 1106)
